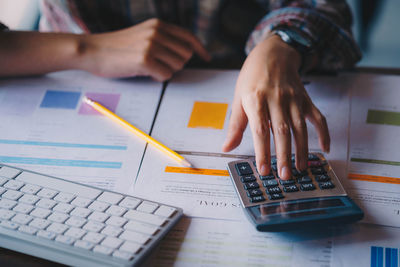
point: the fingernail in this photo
(285, 173)
(264, 170)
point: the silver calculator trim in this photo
(338, 190)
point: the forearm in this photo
(30, 53)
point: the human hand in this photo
(152, 48)
(269, 94)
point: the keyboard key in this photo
(116, 221)
(304, 180)
(12, 194)
(144, 217)
(75, 232)
(46, 203)
(307, 187)
(7, 204)
(115, 210)
(103, 250)
(98, 206)
(254, 192)
(322, 178)
(165, 211)
(64, 197)
(75, 221)
(135, 237)
(65, 239)
(273, 190)
(22, 219)
(270, 183)
(98, 216)
(251, 185)
(58, 217)
(326, 185)
(83, 244)
(111, 230)
(141, 227)
(122, 255)
(244, 168)
(130, 247)
(248, 178)
(130, 202)
(46, 234)
(81, 202)
(290, 188)
(148, 207)
(2, 190)
(13, 184)
(94, 238)
(23, 208)
(30, 189)
(3, 180)
(39, 223)
(257, 199)
(94, 226)
(80, 212)
(29, 199)
(10, 225)
(111, 242)
(109, 197)
(47, 193)
(63, 207)
(8, 172)
(287, 182)
(27, 229)
(275, 196)
(6, 214)
(57, 228)
(40, 213)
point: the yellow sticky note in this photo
(208, 115)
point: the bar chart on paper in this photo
(384, 257)
(47, 128)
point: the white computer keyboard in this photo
(76, 224)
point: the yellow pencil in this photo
(169, 152)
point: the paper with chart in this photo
(374, 156)
(46, 127)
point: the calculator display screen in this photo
(295, 206)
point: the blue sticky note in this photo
(60, 99)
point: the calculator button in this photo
(254, 192)
(290, 188)
(274, 167)
(273, 190)
(275, 196)
(248, 178)
(322, 178)
(269, 183)
(312, 157)
(287, 182)
(326, 185)
(319, 170)
(304, 180)
(267, 177)
(257, 199)
(251, 185)
(244, 168)
(274, 160)
(307, 187)
(297, 173)
(313, 164)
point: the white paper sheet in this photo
(45, 127)
(374, 157)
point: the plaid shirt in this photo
(228, 28)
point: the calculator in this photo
(313, 197)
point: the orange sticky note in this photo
(208, 115)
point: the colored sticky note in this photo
(208, 115)
(60, 99)
(110, 101)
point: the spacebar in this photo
(58, 184)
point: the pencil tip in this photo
(186, 163)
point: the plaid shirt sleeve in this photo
(326, 23)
